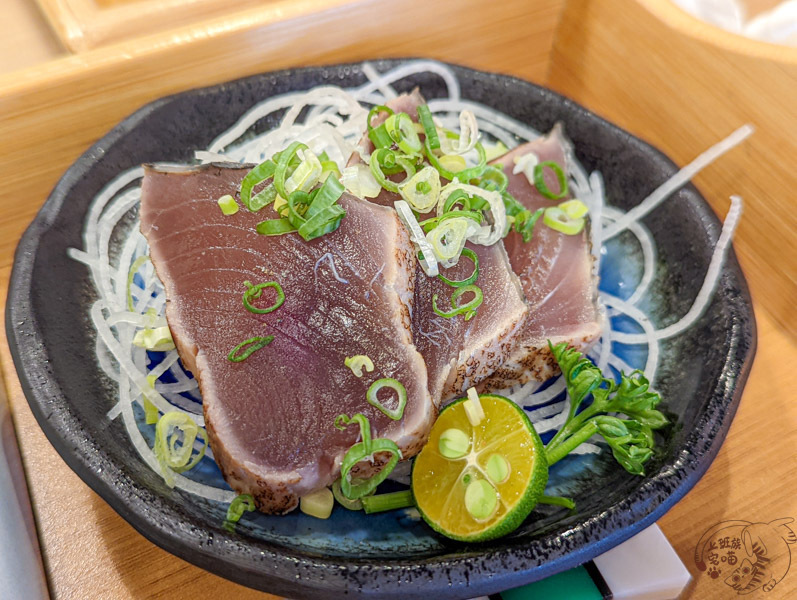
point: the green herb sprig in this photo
(631, 439)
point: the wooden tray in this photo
(610, 56)
(85, 24)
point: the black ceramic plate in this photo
(701, 378)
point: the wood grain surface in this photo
(85, 24)
(682, 86)
(51, 113)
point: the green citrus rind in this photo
(519, 510)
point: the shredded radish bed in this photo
(332, 119)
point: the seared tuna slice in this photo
(459, 354)
(555, 271)
(270, 418)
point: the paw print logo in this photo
(713, 572)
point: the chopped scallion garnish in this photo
(425, 116)
(240, 504)
(402, 132)
(539, 179)
(254, 291)
(469, 254)
(151, 413)
(557, 219)
(401, 392)
(311, 215)
(173, 451)
(157, 339)
(260, 173)
(357, 362)
(249, 347)
(228, 205)
(385, 502)
(364, 450)
(468, 309)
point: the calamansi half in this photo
(479, 482)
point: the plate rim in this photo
(223, 555)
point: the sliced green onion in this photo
(317, 504)
(263, 198)
(254, 291)
(311, 215)
(228, 205)
(497, 468)
(493, 151)
(385, 502)
(306, 175)
(453, 163)
(240, 504)
(575, 209)
(453, 443)
(158, 339)
(401, 392)
(556, 219)
(379, 108)
(275, 227)
(493, 179)
(284, 162)
(260, 173)
(472, 256)
(473, 407)
(401, 130)
(329, 167)
(430, 224)
(429, 129)
(363, 450)
(422, 190)
(343, 500)
(360, 181)
(380, 137)
(383, 159)
(449, 237)
(174, 452)
(525, 222)
(131, 274)
(481, 499)
(252, 345)
(468, 135)
(557, 501)
(321, 223)
(468, 309)
(476, 171)
(489, 233)
(151, 412)
(327, 195)
(357, 362)
(539, 179)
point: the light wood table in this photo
(51, 112)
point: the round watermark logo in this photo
(747, 556)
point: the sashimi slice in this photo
(555, 272)
(458, 353)
(270, 418)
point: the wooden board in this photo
(683, 85)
